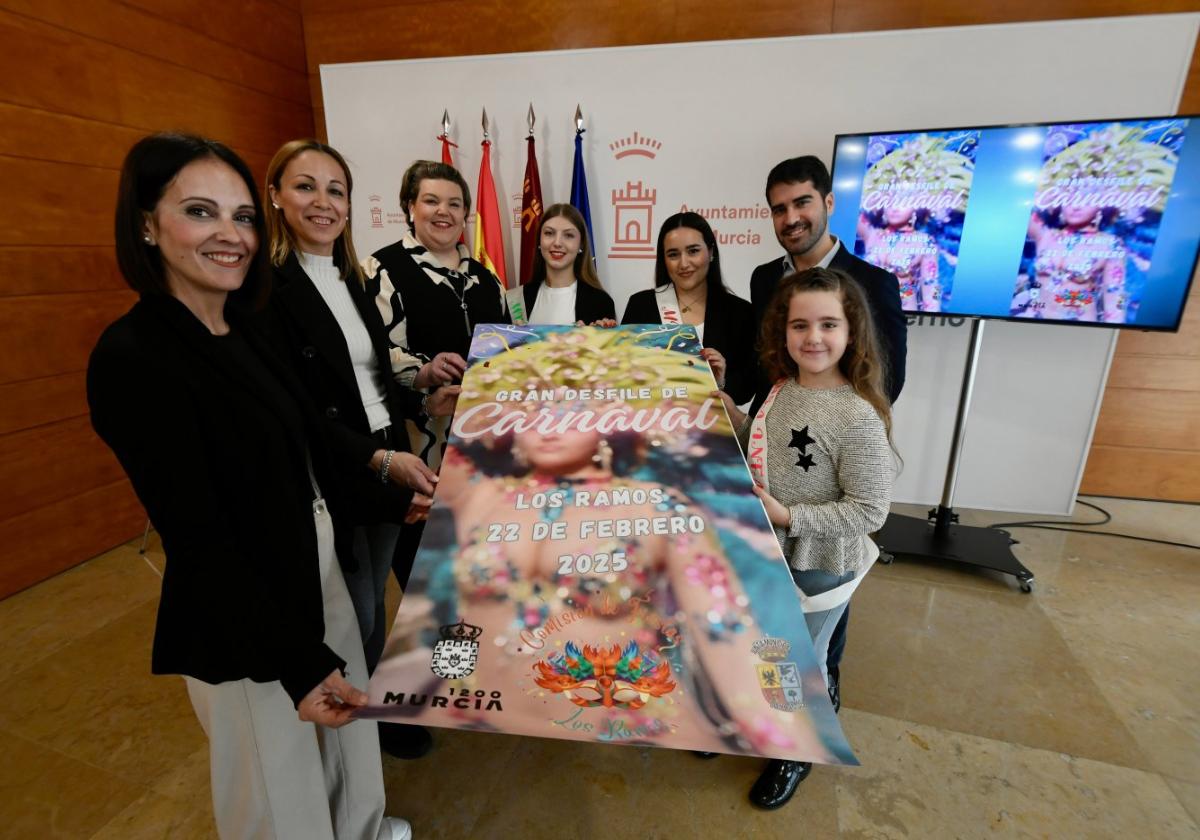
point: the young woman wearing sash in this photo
(564, 288)
(820, 453)
(688, 289)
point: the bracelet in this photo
(387, 462)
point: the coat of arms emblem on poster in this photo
(455, 655)
(779, 680)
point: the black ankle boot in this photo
(778, 782)
(404, 740)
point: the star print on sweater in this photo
(800, 441)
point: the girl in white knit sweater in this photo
(820, 453)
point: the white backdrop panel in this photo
(706, 121)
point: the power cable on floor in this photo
(1054, 525)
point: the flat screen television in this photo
(1094, 223)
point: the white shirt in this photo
(326, 277)
(554, 305)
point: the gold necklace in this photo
(688, 307)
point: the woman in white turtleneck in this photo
(324, 319)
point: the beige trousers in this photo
(275, 777)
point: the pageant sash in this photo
(516, 305)
(756, 455)
(668, 305)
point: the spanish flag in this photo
(489, 240)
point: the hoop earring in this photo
(604, 456)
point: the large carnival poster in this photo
(914, 201)
(1095, 220)
(596, 567)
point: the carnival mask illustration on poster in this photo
(596, 567)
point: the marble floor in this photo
(976, 710)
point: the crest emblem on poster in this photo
(778, 680)
(455, 655)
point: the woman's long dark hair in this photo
(716, 285)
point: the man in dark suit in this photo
(800, 195)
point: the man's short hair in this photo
(798, 170)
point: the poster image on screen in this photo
(1095, 220)
(1086, 223)
(915, 193)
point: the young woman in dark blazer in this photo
(563, 288)
(234, 467)
(325, 320)
(688, 289)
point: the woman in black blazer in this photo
(563, 287)
(688, 289)
(325, 321)
(234, 468)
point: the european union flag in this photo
(579, 192)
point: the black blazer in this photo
(214, 442)
(883, 295)
(307, 334)
(728, 327)
(591, 304)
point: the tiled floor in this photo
(977, 711)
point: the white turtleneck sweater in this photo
(324, 275)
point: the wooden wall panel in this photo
(1149, 424)
(864, 15)
(54, 538)
(1142, 473)
(131, 29)
(270, 29)
(37, 471)
(77, 321)
(37, 402)
(93, 79)
(1163, 373)
(1142, 418)
(79, 84)
(75, 203)
(29, 270)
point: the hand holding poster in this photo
(596, 567)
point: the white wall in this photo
(720, 114)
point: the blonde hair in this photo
(864, 361)
(281, 240)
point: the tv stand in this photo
(939, 536)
